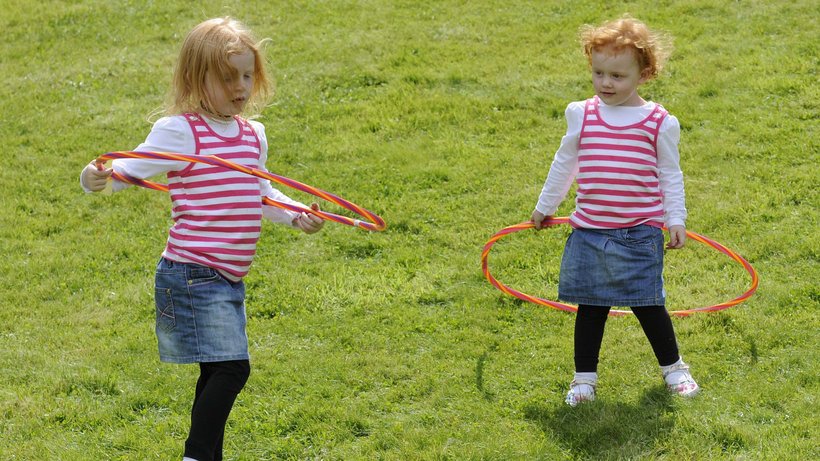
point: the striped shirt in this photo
(217, 211)
(189, 134)
(628, 168)
(618, 172)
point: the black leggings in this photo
(589, 331)
(216, 390)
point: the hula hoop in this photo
(375, 222)
(566, 307)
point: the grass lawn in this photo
(442, 117)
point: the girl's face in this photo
(616, 77)
(229, 93)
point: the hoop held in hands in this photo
(374, 222)
(566, 307)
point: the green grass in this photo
(442, 117)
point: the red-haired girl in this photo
(623, 153)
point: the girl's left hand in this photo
(677, 237)
(310, 223)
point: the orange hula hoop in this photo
(374, 222)
(569, 308)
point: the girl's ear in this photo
(646, 75)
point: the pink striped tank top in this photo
(217, 211)
(618, 172)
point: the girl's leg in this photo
(589, 332)
(657, 326)
(218, 385)
(204, 374)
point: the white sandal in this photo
(679, 380)
(581, 390)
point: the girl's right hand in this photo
(538, 219)
(94, 179)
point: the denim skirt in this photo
(200, 315)
(613, 267)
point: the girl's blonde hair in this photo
(204, 55)
(652, 48)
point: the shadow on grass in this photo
(603, 430)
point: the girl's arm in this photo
(564, 166)
(670, 177)
(169, 134)
(274, 214)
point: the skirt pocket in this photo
(164, 309)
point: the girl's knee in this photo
(245, 371)
(241, 370)
(233, 374)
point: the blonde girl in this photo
(217, 212)
(623, 153)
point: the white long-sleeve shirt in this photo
(564, 167)
(173, 134)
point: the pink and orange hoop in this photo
(374, 222)
(566, 307)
